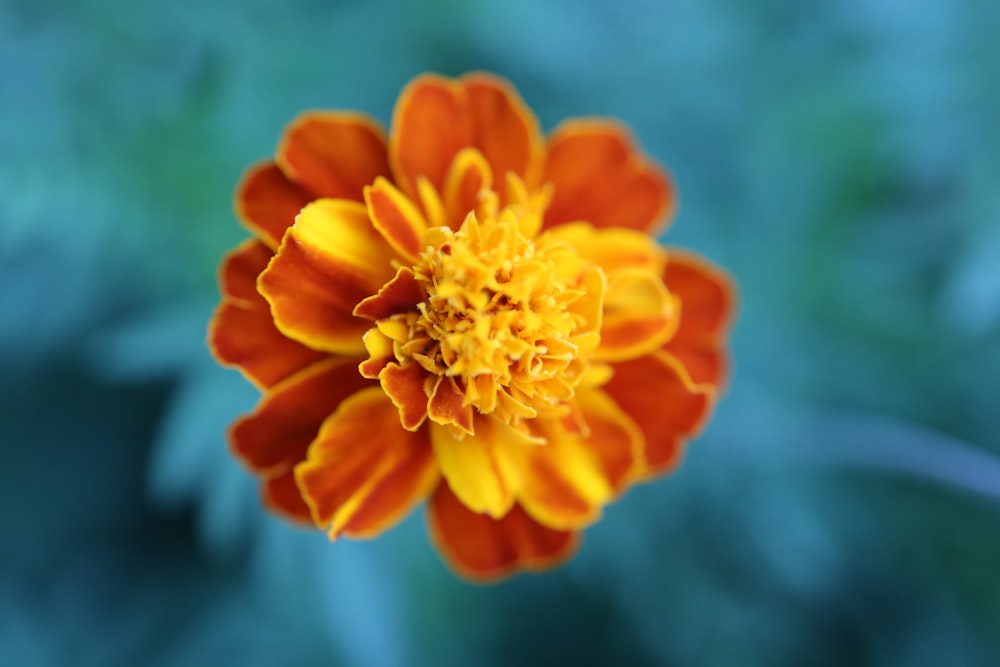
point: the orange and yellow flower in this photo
(465, 313)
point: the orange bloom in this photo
(466, 313)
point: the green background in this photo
(842, 160)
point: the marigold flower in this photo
(466, 313)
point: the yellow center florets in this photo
(507, 320)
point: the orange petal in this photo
(567, 480)
(329, 261)
(469, 176)
(399, 295)
(396, 217)
(707, 298)
(276, 435)
(446, 406)
(639, 315)
(380, 353)
(601, 177)
(612, 436)
(247, 339)
(333, 154)
(242, 332)
(364, 472)
(404, 385)
(480, 469)
(483, 548)
(239, 271)
(661, 399)
(281, 495)
(267, 202)
(436, 117)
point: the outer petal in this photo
(581, 467)
(436, 117)
(364, 472)
(333, 154)
(242, 332)
(707, 298)
(281, 495)
(480, 469)
(640, 315)
(329, 261)
(483, 548)
(599, 176)
(277, 434)
(267, 202)
(667, 406)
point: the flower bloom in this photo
(465, 313)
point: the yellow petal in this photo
(479, 469)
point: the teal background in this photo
(840, 159)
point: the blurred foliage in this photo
(840, 158)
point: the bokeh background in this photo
(843, 508)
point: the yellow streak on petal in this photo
(480, 470)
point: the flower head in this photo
(468, 314)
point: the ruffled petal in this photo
(601, 177)
(404, 385)
(333, 154)
(242, 332)
(707, 297)
(399, 295)
(640, 315)
(329, 261)
(364, 472)
(480, 469)
(436, 117)
(656, 392)
(281, 495)
(483, 548)
(267, 202)
(276, 435)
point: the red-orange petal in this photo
(436, 117)
(404, 385)
(281, 495)
(333, 153)
(664, 403)
(364, 472)
(242, 332)
(276, 435)
(483, 549)
(707, 297)
(267, 202)
(601, 177)
(396, 218)
(239, 271)
(399, 295)
(329, 261)
(446, 406)
(247, 339)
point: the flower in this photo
(465, 313)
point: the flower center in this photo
(507, 320)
